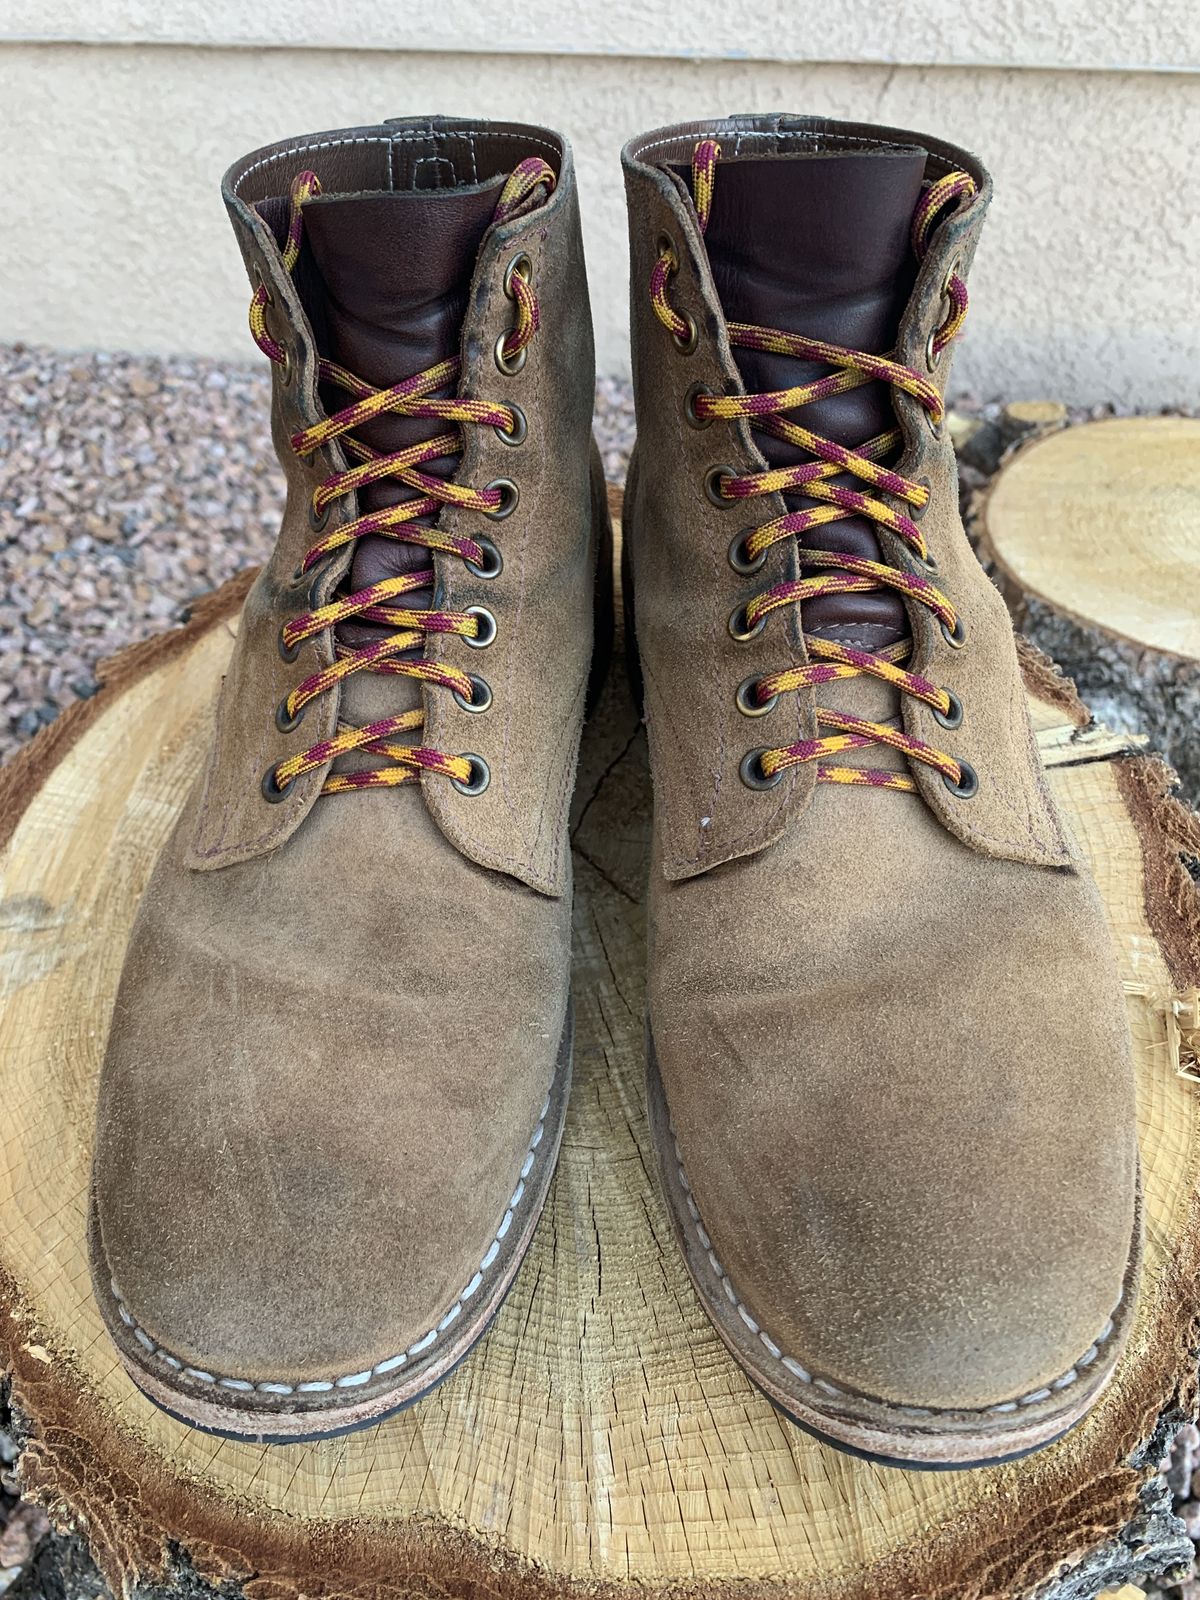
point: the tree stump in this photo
(1093, 534)
(599, 1441)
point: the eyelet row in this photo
(686, 342)
(511, 365)
(750, 767)
(488, 569)
(931, 357)
(480, 701)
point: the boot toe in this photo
(306, 1168)
(914, 1154)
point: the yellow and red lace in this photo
(841, 572)
(378, 603)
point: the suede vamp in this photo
(318, 1096)
(900, 1077)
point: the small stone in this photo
(27, 1525)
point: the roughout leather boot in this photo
(889, 1070)
(339, 1060)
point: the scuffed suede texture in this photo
(310, 1124)
(339, 1018)
(898, 1072)
(889, 1027)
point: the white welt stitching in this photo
(696, 1228)
(351, 1380)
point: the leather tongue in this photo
(818, 244)
(388, 276)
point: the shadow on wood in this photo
(599, 1441)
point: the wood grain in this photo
(1093, 535)
(599, 1441)
(1102, 522)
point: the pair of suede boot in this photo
(889, 1075)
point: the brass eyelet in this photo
(952, 718)
(520, 429)
(480, 775)
(666, 246)
(481, 696)
(712, 486)
(492, 566)
(686, 343)
(285, 367)
(487, 625)
(509, 365)
(968, 784)
(288, 652)
(739, 628)
(318, 521)
(316, 578)
(509, 496)
(739, 560)
(272, 791)
(260, 282)
(519, 265)
(956, 636)
(751, 773)
(931, 355)
(915, 513)
(747, 704)
(284, 721)
(689, 406)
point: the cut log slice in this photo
(1093, 534)
(599, 1441)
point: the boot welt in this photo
(234, 1408)
(862, 1425)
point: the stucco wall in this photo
(1087, 285)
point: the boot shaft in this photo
(880, 227)
(381, 255)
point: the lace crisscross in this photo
(409, 522)
(839, 572)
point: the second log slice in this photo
(1102, 523)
